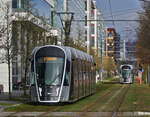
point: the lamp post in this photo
(88, 25)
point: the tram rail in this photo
(114, 113)
(90, 108)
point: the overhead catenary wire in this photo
(120, 14)
(123, 11)
(120, 51)
(116, 20)
(78, 13)
(80, 4)
(111, 13)
(77, 5)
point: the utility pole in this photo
(88, 25)
(65, 7)
(61, 36)
(124, 49)
(96, 30)
(106, 52)
(66, 22)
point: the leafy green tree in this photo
(109, 65)
(79, 42)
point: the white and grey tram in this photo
(127, 75)
(61, 74)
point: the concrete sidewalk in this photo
(3, 104)
(73, 114)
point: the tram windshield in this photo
(49, 70)
(126, 73)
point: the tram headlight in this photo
(57, 91)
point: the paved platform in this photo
(74, 114)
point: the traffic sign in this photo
(101, 70)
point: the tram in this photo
(61, 74)
(127, 75)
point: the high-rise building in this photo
(117, 47)
(70, 6)
(96, 29)
(112, 44)
(110, 41)
(101, 36)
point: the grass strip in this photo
(77, 106)
(137, 99)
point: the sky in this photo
(121, 9)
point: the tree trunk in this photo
(66, 39)
(67, 33)
(9, 79)
(26, 62)
(25, 80)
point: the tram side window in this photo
(66, 80)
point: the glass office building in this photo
(58, 7)
(75, 6)
(39, 8)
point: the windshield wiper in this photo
(53, 81)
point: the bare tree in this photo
(34, 35)
(7, 47)
(143, 34)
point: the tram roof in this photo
(131, 66)
(78, 54)
(75, 53)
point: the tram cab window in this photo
(32, 74)
(32, 66)
(32, 78)
(49, 70)
(66, 80)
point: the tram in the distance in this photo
(127, 75)
(61, 74)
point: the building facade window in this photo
(18, 4)
(38, 8)
(14, 3)
(22, 4)
(41, 8)
(92, 41)
(92, 29)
